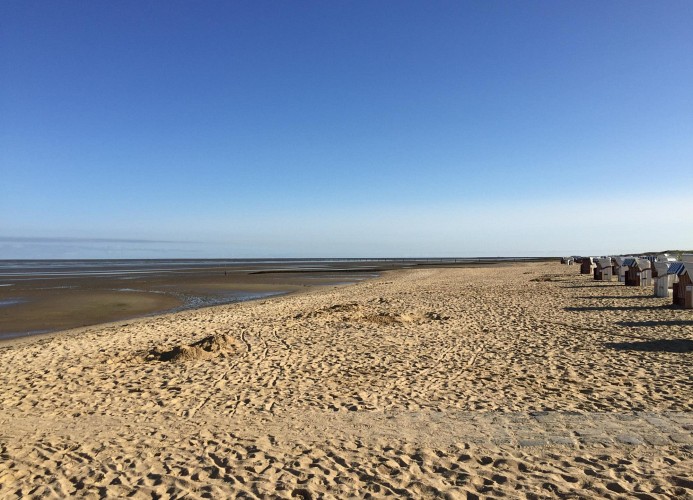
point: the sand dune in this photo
(525, 381)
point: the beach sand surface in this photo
(523, 381)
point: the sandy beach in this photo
(517, 380)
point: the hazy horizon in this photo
(360, 129)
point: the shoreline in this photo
(125, 321)
(133, 320)
(47, 303)
(160, 315)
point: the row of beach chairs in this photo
(668, 277)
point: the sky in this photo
(344, 129)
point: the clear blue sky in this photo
(244, 129)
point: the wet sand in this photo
(526, 381)
(46, 312)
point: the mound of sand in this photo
(389, 318)
(381, 318)
(330, 310)
(422, 317)
(356, 313)
(208, 347)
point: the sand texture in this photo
(523, 381)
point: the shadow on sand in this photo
(604, 284)
(672, 322)
(616, 308)
(617, 297)
(668, 345)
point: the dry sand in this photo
(522, 381)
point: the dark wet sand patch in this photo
(71, 309)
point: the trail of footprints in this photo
(224, 464)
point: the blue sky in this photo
(292, 129)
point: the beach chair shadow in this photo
(659, 345)
(617, 297)
(603, 285)
(616, 308)
(672, 322)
